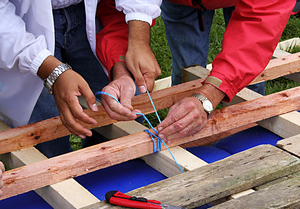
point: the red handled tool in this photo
(118, 198)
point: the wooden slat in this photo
(291, 144)
(278, 196)
(116, 151)
(220, 179)
(276, 68)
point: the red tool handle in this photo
(118, 198)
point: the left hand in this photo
(123, 88)
(185, 118)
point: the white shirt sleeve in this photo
(142, 10)
(19, 49)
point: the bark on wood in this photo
(122, 149)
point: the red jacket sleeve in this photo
(112, 40)
(249, 41)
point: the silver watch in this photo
(207, 105)
(48, 82)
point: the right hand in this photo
(66, 90)
(1, 174)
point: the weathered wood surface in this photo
(116, 151)
(276, 68)
(211, 182)
(291, 145)
(278, 196)
(32, 134)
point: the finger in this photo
(70, 122)
(138, 77)
(2, 167)
(116, 110)
(150, 77)
(90, 99)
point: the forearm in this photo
(139, 34)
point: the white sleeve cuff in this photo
(38, 60)
(138, 16)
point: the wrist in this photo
(213, 94)
(119, 70)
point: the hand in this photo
(1, 172)
(139, 58)
(187, 117)
(123, 88)
(66, 90)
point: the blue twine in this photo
(156, 147)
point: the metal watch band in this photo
(204, 101)
(48, 82)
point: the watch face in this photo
(207, 105)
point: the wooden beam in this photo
(122, 149)
(32, 134)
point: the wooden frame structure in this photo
(275, 112)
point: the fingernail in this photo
(162, 137)
(160, 128)
(142, 89)
(82, 136)
(95, 107)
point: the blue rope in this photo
(156, 147)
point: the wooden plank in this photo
(129, 147)
(67, 194)
(276, 68)
(32, 134)
(278, 196)
(291, 144)
(220, 179)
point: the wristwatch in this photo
(207, 105)
(48, 82)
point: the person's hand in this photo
(1, 174)
(122, 88)
(187, 117)
(139, 58)
(66, 90)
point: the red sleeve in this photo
(112, 40)
(249, 41)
